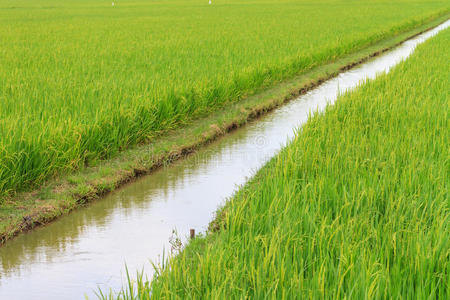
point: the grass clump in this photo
(82, 80)
(357, 206)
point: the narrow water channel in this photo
(88, 248)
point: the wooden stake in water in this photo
(192, 233)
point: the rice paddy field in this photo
(356, 206)
(82, 80)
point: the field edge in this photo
(61, 195)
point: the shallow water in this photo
(88, 248)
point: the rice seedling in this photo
(82, 80)
(356, 206)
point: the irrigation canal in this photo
(88, 248)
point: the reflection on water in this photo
(89, 247)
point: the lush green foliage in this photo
(80, 80)
(357, 206)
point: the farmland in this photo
(82, 80)
(356, 206)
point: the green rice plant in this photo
(82, 80)
(136, 289)
(356, 206)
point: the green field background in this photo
(81, 80)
